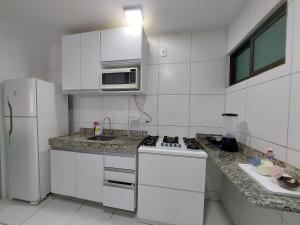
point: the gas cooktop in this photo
(173, 146)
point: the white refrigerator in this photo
(34, 111)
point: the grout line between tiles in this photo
(38, 210)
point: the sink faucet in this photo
(109, 120)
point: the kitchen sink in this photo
(101, 138)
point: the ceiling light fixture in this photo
(134, 15)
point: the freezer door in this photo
(21, 95)
(22, 156)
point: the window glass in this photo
(269, 47)
(242, 65)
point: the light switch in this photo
(163, 52)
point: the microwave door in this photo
(118, 81)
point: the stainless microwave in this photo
(120, 79)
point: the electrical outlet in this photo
(163, 52)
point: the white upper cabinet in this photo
(90, 60)
(71, 62)
(81, 61)
(123, 43)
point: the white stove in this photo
(171, 179)
(172, 146)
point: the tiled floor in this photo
(57, 211)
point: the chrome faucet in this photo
(109, 120)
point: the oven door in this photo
(120, 79)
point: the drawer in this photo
(120, 198)
(120, 162)
(170, 206)
(119, 176)
(184, 173)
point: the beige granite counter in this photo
(121, 144)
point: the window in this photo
(262, 51)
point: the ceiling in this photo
(48, 19)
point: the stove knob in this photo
(175, 145)
(166, 144)
(162, 144)
(170, 145)
(179, 145)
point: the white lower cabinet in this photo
(171, 189)
(89, 176)
(77, 175)
(63, 173)
(170, 206)
(119, 197)
(99, 178)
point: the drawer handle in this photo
(119, 170)
(119, 184)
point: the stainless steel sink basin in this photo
(101, 138)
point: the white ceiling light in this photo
(134, 15)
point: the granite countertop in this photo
(78, 142)
(255, 194)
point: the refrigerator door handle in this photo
(10, 120)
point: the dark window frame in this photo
(249, 42)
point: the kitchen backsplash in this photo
(185, 89)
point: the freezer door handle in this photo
(10, 120)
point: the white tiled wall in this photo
(185, 89)
(269, 114)
(268, 104)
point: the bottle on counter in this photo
(270, 154)
(97, 129)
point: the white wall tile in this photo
(261, 145)
(258, 10)
(294, 116)
(267, 110)
(293, 158)
(178, 47)
(236, 103)
(239, 28)
(152, 130)
(152, 80)
(206, 110)
(90, 109)
(147, 104)
(208, 77)
(204, 130)
(153, 50)
(173, 110)
(173, 131)
(116, 107)
(74, 108)
(209, 45)
(296, 38)
(174, 78)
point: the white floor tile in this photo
(70, 212)
(215, 214)
(91, 215)
(16, 211)
(57, 212)
(123, 218)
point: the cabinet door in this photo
(63, 172)
(123, 43)
(90, 60)
(71, 62)
(89, 176)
